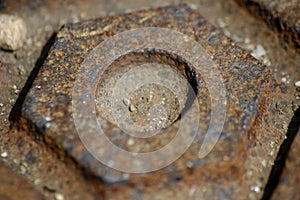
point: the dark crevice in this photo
(6, 50)
(2, 6)
(280, 160)
(16, 110)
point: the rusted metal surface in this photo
(282, 16)
(239, 164)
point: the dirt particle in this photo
(4, 154)
(130, 142)
(258, 52)
(59, 196)
(126, 102)
(23, 169)
(132, 108)
(37, 181)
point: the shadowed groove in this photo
(282, 155)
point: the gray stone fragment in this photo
(13, 32)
